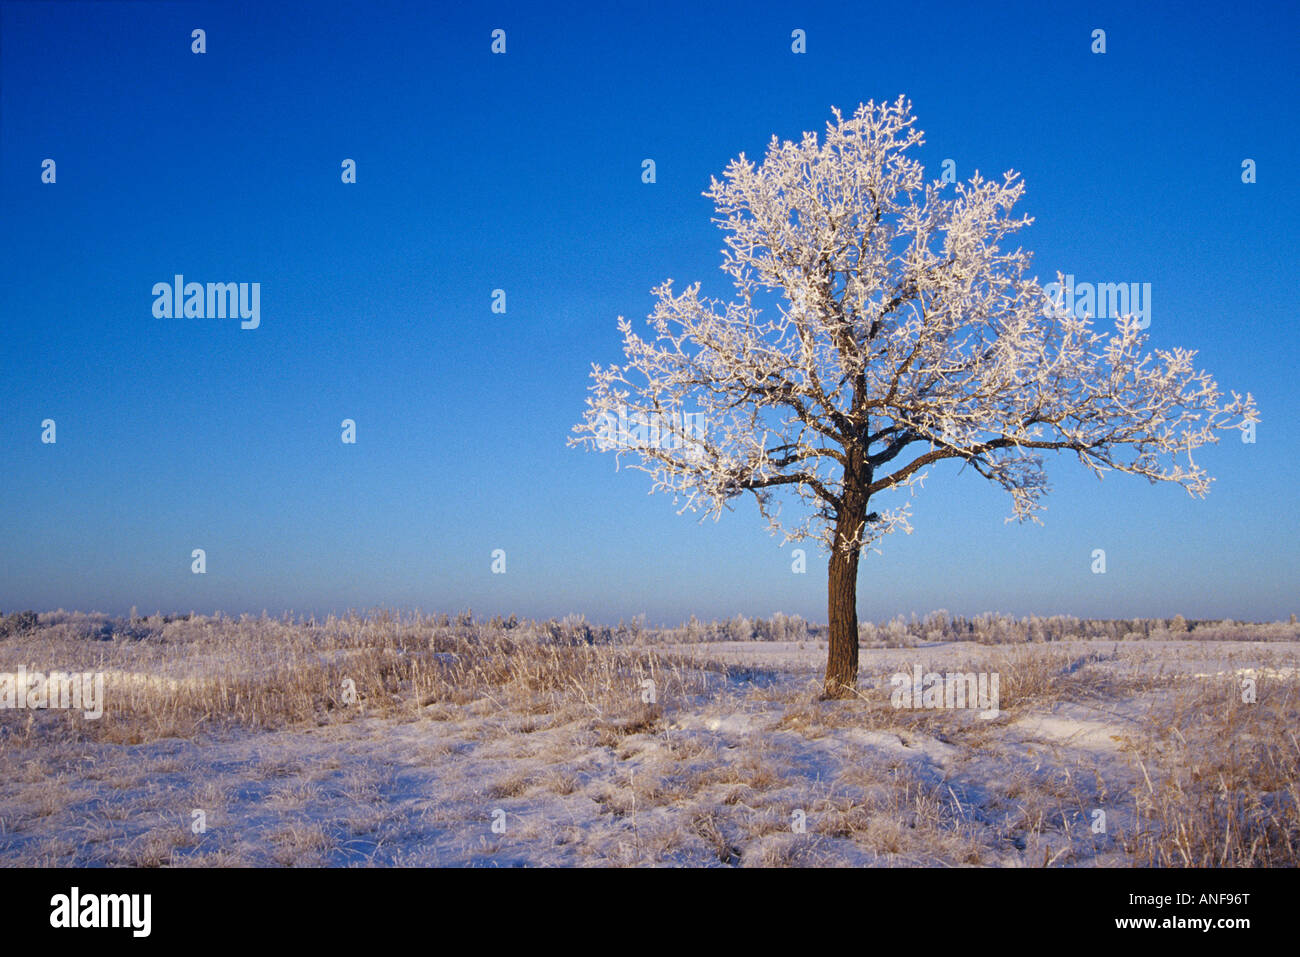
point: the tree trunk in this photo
(842, 599)
(842, 655)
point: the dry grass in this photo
(1219, 778)
(556, 728)
(210, 673)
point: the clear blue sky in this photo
(522, 172)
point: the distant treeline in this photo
(987, 628)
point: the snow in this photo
(716, 780)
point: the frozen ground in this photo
(1186, 658)
(736, 762)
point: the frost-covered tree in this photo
(878, 327)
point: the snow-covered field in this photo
(462, 751)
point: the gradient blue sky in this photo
(523, 172)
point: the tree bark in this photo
(842, 598)
(842, 654)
